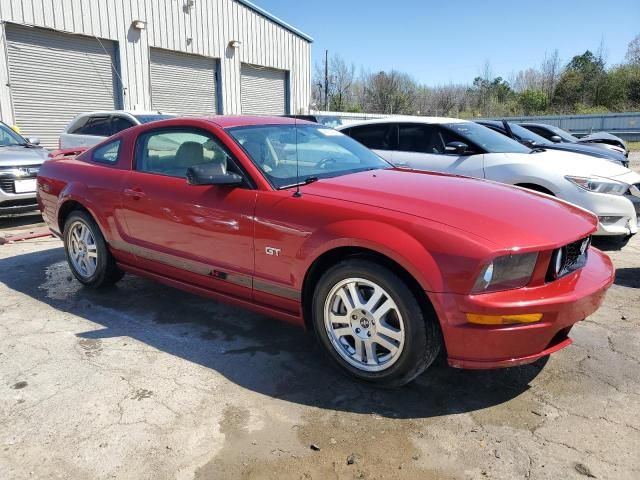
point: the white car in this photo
(450, 145)
(90, 128)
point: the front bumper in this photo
(625, 207)
(10, 201)
(562, 302)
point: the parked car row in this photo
(390, 267)
(597, 139)
(460, 147)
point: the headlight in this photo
(506, 272)
(599, 185)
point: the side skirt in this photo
(205, 292)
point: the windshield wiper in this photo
(538, 150)
(305, 181)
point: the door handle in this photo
(134, 193)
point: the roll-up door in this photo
(54, 76)
(263, 91)
(183, 84)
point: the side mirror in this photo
(457, 148)
(33, 140)
(555, 139)
(527, 142)
(212, 174)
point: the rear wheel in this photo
(87, 253)
(371, 324)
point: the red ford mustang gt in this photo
(300, 222)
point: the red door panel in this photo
(176, 228)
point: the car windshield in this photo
(489, 140)
(524, 134)
(152, 117)
(290, 154)
(8, 137)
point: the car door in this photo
(423, 147)
(200, 234)
(379, 137)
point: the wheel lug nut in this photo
(355, 317)
(368, 334)
(357, 330)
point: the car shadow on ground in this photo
(11, 222)
(628, 277)
(255, 352)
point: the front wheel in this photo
(371, 324)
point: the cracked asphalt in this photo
(145, 382)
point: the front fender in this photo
(385, 239)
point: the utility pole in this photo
(326, 80)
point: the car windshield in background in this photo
(332, 122)
(524, 134)
(490, 140)
(8, 137)
(288, 154)
(152, 118)
(563, 134)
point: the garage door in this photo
(54, 76)
(183, 84)
(263, 91)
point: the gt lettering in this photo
(274, 252)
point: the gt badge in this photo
(274, 252)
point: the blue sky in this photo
(448, 41)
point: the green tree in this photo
(532, 101)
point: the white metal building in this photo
(62, 57)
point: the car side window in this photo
(172, 152)
(98, 126)
(419, 138)
(448, 136)
(120, 123)
(377, 136)
(541, 131)
(107, 153)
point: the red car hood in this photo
(507, 216)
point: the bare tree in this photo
(633, 51)
(341, 81)
(390, 92)
(550, 70)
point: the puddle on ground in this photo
(59, 283)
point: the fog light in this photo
(609, 219)
(503, 319)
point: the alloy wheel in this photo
(364, 324)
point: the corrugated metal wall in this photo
(204, 29)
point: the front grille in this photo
(568, 259)
(7, 185)
(9, 175)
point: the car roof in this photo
(535, 124)
(495, 123)
(403, 118)
(126, 112)
(230, 121)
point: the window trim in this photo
(247, 183)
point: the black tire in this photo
(106, 271)
(422, 337)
